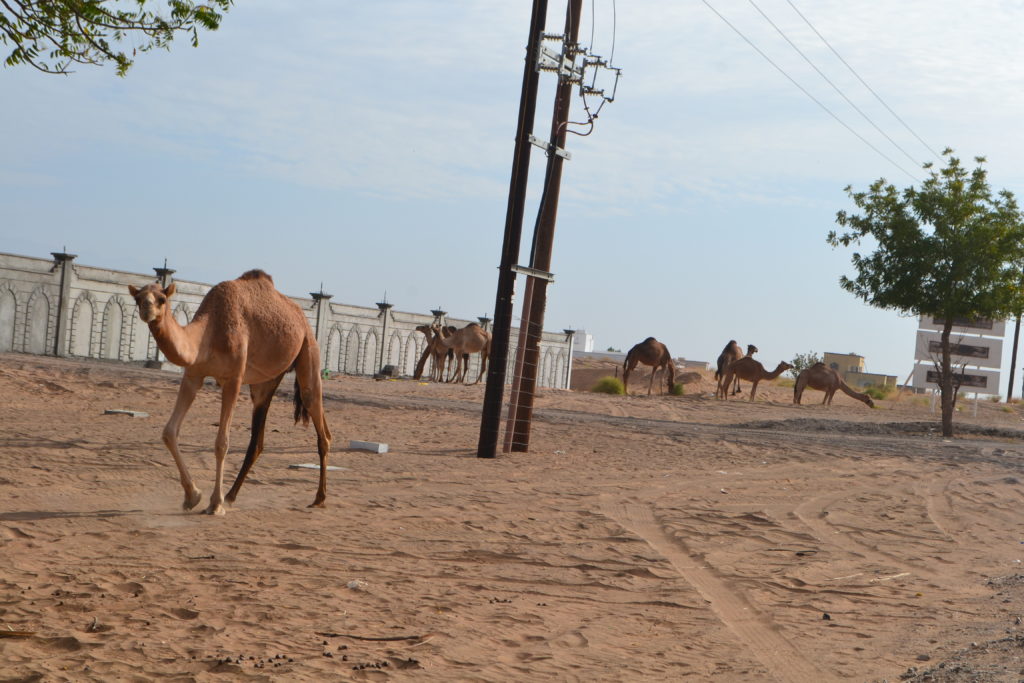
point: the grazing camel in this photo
(432, 350)
(749, 369)
(245, 332)
(730, 353)
(649, 352)
(823, 378)
(470, 339)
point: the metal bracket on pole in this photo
(533, 272)
(548, 147)
(558, 61)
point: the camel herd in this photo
(733, 365)
(246, 332)
(446, 344)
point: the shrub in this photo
(785, 382)
(677, 389)
(879, 392)
(802, 361)
(609, 385)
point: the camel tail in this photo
(300, 409)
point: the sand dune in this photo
(661, 538)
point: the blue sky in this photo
(368, 146)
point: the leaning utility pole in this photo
(1013, 359)
(517, 436)
(490, 420)
(563, 62)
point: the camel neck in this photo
(179, 344)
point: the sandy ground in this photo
(642, 539)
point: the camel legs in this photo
(186, 395)
(262, 395)
(421, 363)
(630, 364)
(650, 385)
(753, 389)
(723, 386)
(307, 376)
(228, 397)
(483, 364)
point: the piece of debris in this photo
(130, 413)
(371, 446)
(11, 633)
(315, 466)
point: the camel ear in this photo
(133, 290)
(169, 290)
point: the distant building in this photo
(851, 367)
(584, 341)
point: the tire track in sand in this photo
(754, 630)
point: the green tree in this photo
(949, 249)
(52, 35)
(802, 361)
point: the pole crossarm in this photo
(534, 272)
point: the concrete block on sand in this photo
(371, 446)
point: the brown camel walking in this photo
(730, 353)
(749, 369)
(470, 339)
(823, 378)
(649, 352)
(245, 332)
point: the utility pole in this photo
(1013, 359)
(563, 62)
(490, 419)
(521, 407)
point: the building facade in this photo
(851, 367)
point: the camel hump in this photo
(649, 340)
(256, 274)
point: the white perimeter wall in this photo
(97, 318)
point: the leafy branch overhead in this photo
(53, 35)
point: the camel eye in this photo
(160, 300)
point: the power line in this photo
(807, 93)
(863, 82)
(830, 82)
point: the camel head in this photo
(153, 301)
(751, 349)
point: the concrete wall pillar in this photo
(321, 327)
(61, 261)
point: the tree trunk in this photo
(946, 380)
